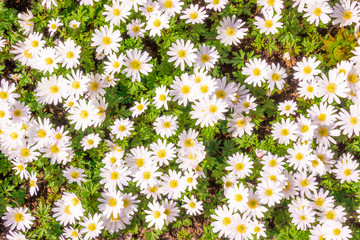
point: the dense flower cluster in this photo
(308, 134)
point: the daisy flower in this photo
(269, 24)
(303, 218)
(346, 13)
(336, 231)
(276, 77)
(7, 92)
(287, 108)
(241, 227)
(92, 226)
(173, 184)
(149, 8)
(24, 21)
(162, 97)
(156, 22)
(82, 114)
(306, 70)
(15, 236)
(115, 177)
(73, 174)
(299, 156)
(317, 11)
(346, 171)
(240, 165)
(349, 121)
(74, 24)
(182, 52)
(136, 62)
(230, 31)
(223, 217)
(237, 198)
(256, 70)
(135, 29)
(194, 14)
(50, 90)
(90, 141)
(114, 63)
(216, 5)
(76, 84)
(156, 215)
(308, 89)
(206, 57)
(192, 206)
(208, 111)
(18, 218)
(106, 40)
(171, 210)
(162, 153)
(305, 129)
(284, 131)
(269, 192)
(225, 91)
(53, 25)
(333, 87)
(305, 184)
(33, 184)
(116, 13)
(324, 114)
(324, 135)
(239, 125)
(111, 203)
(147, 176)
(254, 208)
(271, 5)
(69, 53)
(188, 143)
(34, 42)
(47, 60)
(139, 107)
(171, 7)
(165, 126)
(122, 127)
(183, 89)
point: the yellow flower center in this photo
(194, 15)
(114, 176)
(284, 132)
(256, 72)
(168, 4)
(213, 108)
(241, 123)
(122, 128)
(112, 202)
(319, 201)
(241, 228)
(84, 114)
(205, 58)
(336, 231)
(302, 218)
(347, 15)
(25, 152)
(135, 64)
(75, 85)
(4, 95)
(106, 40)
(230, 31)
(317, 12)
(323, 132)
(94, 86)
(304, 182)
(162, 153)
(167, 124)
(269, 23)
(226, 221)
(204, 89)
(173, 184)
(162, 97)
(49, 61)
(269, 192)
(238, 197)
(54, 89)
(192, 205)
(140, 162)
(275, 77)
(252, 204)
(331, 87)
(116, 12)
(92, 227)
(157, 23)
(70, 54)
(353, 78)
(304, 128)
(156, 214)
(347, 172)
(146, 175)
(307, 70)
(239, 166)
(220, 94)
(330, 215)
(54, 149)
(136, 29)
(310, 89)
(182, 53)
(354, 120)
(34, 43)
(189, 142)
(126, 203)
(19, 217)
(116, 64)
(75, 174)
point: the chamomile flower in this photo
(269, 24)
(111, 203)
(237, 198)
(306, 70)
(166, 126)
(149, 8)
(216, 5)
(209, 111)
(116, 13)
(308, 89)
(223, 218)
(182, 52)
(346, 13)
(90, 141)
(135, 29)
(162, 152)
(50, 90)
(276, 77)
(194, 14)
(299, 156)
(324, 114)
(76, 84)
(82, 114)
(305, 183)
(287, 108)
(136, 62)
(240, 165)
(284, 131)
(346, 171)
(303, 218)
(317, 11)
(192, 206)
(147, 176)
(336, 231)
(106, 40)
(156, 215)
(122, 127)
(206, 57)
(156, 22)
(162, 97)
(239, 125)
(269, 192)
(256, 70)
(333, 87)
(73, 174)
(230, 31)
(305, 129)
(92, 226)
(241, 227)
(18, 218)
(47, 60)
(115, 177)
(270, 6)
(139, 107)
